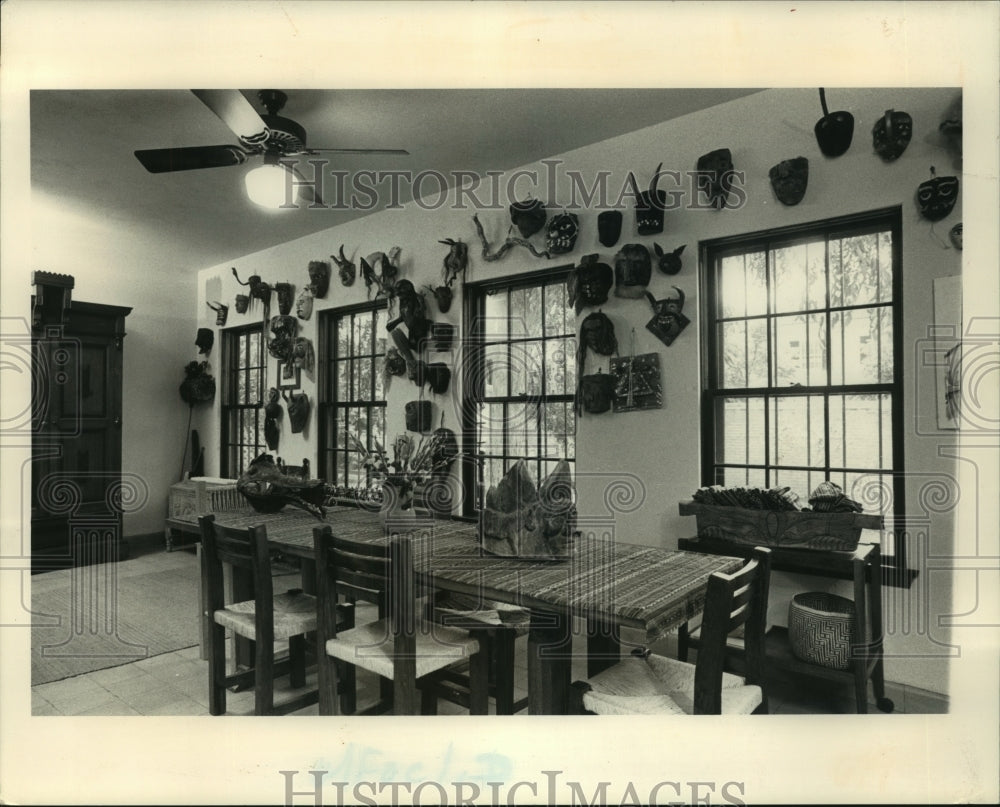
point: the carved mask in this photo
(205, 339)
(668, 320)
(437, 375)
(649, 205)
(561, 235)
(597, 332)
(589, 283)
(395, 364)
(668, 262)
(891, 134)
(936, 197)
(633, 269)
(303, 356)
(442, 296)
(715, 176)
(955, 234)
(319, 277)
(286, 292)
(418, 415)
(443, 333)
(298, 411)
(609, 227)
(221, 313)
(597, 391)
(528, 217)
(789, 179)
(304, 305)
(345, 269)
(834, 131)
(242, 303)
(280, 346)
(455, 261)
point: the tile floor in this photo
(177, 683)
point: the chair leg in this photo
(501, 649)
(682, 642)
(479, 682)
(347, 687)
(327, 674)
(428, 701)
(216, 669)
(297, 661)
(263, 690)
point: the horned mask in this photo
(668, 319)
(345, 269)
(649, 205)
(221, 312)
(668, 262)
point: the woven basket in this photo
(821, 629)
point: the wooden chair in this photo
(497, 626)
(649, 684)
(262, 620)
(400, 646)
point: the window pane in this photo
(558, 315)
(518, 313)
(556, 360)
(532, 310)
(526, 368)
(738, 368)
(857, 439)
(790, 278)
(493, 425)
(343, 328)
(862, 346)
(797, 433)
(742, 285)
(859, 276)
(494, 325)
(799, 350)
(363, 368)
(495, 371)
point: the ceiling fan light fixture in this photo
(270, 185)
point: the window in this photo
(352, 390)
(803, 342)
(519, 379)
(242, 398)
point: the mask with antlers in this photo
(347, 270)
(649, 205)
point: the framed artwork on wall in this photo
(289, 376)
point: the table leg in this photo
(604, 645)
(550, 648)
(859, 661)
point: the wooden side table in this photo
(863, 567)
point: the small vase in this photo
(396, 513)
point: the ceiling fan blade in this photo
(158, 161)
(355, 151)
(236, 112)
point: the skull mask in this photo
(589, 283)
(937, 196)
(633, 269)
(891, 134)
(789, 179)
(715, 176)
(561, 235)
(319, 277)
(528, 217)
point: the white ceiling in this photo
(82, 145)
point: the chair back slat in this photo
(733, 600)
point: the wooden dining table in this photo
(605, 584)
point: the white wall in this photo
(123, 263)
(662, 447)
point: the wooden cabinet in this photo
(863, 567)
(76, 486)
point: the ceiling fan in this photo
(270, 135)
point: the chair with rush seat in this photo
(263, 620)
(400, 646)
(645, 683)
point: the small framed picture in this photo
(288, 375)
